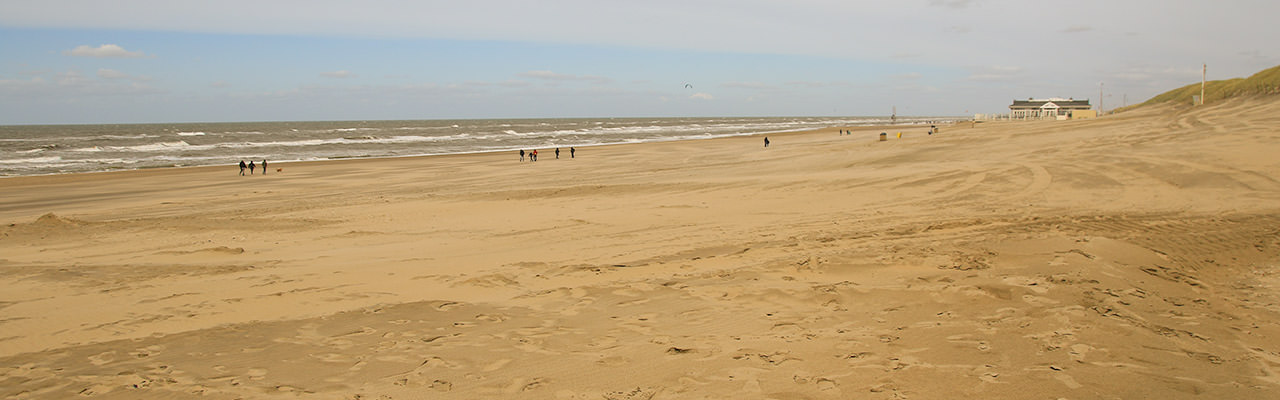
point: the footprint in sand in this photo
(603, 342)
(614, 361)
(95, 390)
(1068, 380)
(1079, 350)
(826, 384)
(441, 386)
(492, 317)
(103, 358)
(637, 393)
(448, 305)
(523, 385)
(497, 365)
(146, 351)
(629, 303)
(257, 374)
(990, 377)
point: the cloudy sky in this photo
(88, 61)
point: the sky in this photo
(143, 61)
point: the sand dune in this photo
(1134, 256)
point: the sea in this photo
(27, 150)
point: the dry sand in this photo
(1134, 256)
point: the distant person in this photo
(522, 155)
(766, 142)
(251, 168)
(242, 167)
(571, 151)
(264, 166)
(557, 153)
(534, 157)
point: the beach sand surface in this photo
(1132, 256)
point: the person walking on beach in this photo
(557, 153)
(521, 155)
(242, 166)
(534, 155)
(251, 168)
(571, 151)
(766, 142)
(264, 166)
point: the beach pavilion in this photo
(1051, 108)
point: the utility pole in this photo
(1101, 110)
(1204, 68)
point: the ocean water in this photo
(61, 149)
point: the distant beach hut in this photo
(1050, 108)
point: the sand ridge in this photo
(1133, 256)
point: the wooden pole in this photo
(1203, 69)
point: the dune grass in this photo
(1265, 82)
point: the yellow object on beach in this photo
(899, 135)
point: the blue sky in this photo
(77, 61)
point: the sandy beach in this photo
(1132, 256)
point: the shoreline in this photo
(73, 176)
(512, 148)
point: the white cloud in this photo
(342, 74)
(105, 73)
(748, 85)
(70, 78)
(812, 84)
(111, 74)
(1077, 29)
(995, 73)
(555, 76)
(103, 51)
(701, 96)
(545, 75)
(15, 84)
(72, 84)
(951, 3)
(512, 83)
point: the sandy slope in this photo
(1136, 256)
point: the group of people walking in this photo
(533, 155)
(251, 167)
